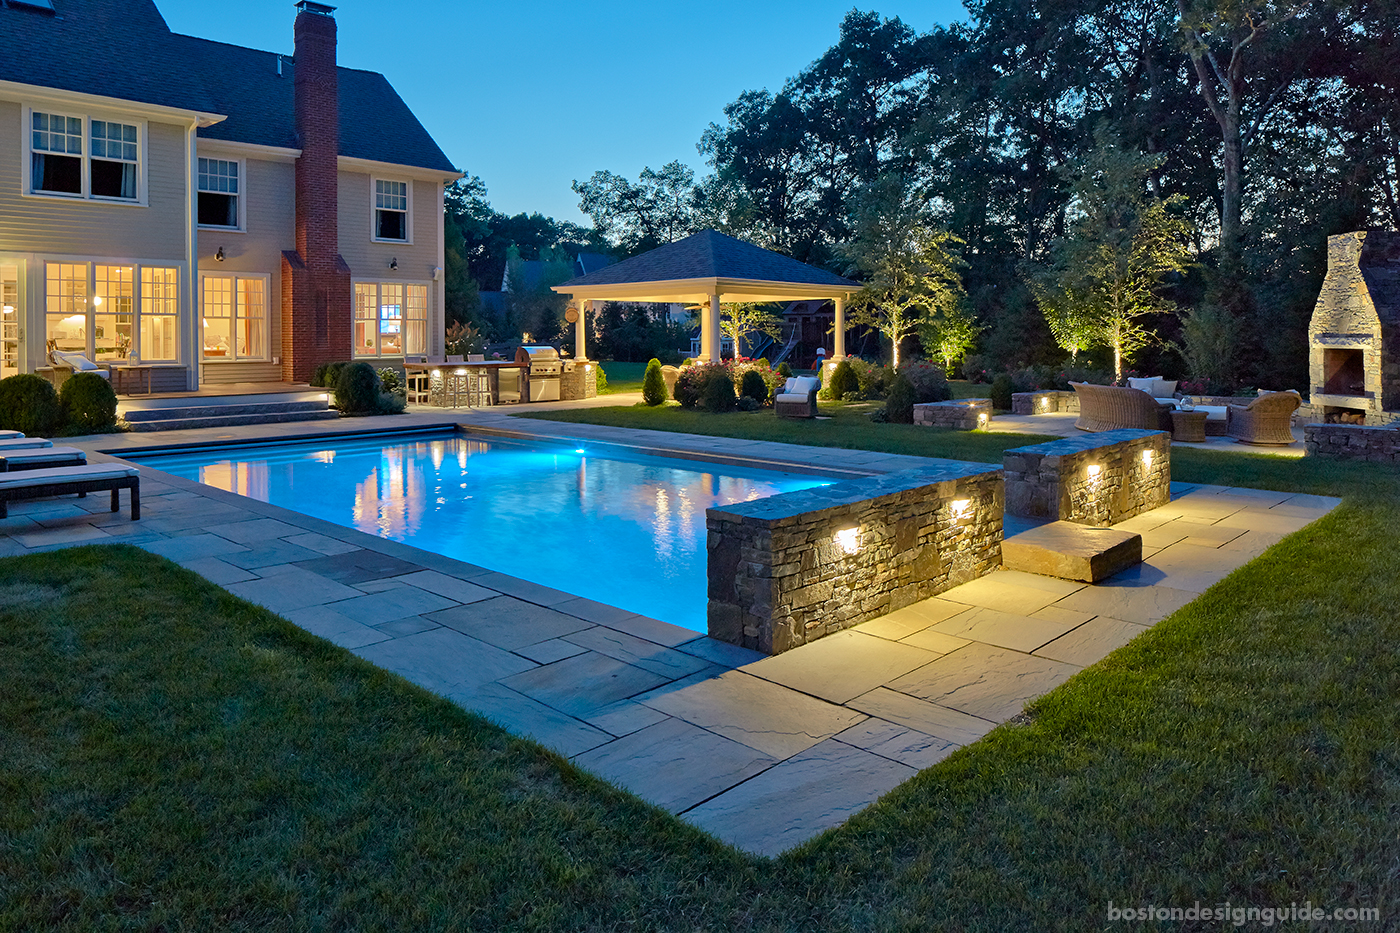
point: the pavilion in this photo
(708, 269)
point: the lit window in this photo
(390, 210)
(160, 310)
(218, 193)
(391, 319)
(234, 310)
(107, 312)
(113, 160)
(57, 154)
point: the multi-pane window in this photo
(390, 210)
(114, 311)
(60, 162)
(56, 153)
(113, 160)
(66, 306)
(218, 192)
(234, 309)
(160, 314)
(391, 319)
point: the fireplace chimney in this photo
(315, 280)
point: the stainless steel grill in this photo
(540, 369)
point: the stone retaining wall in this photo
(795, 567)
(1044, 401)
(966, 414)
(1097, 479)
(1352, 442)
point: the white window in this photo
(112, 312)
(84, 157)
(391, 211)
(391, 319)
(234, 312)
(219, 193)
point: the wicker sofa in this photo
(1268, 420)
(1112, 408)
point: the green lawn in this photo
(174, 758)
(623, 377)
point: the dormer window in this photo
(391, 210)
(218, 193)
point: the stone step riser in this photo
(134, 415)
(223, 421)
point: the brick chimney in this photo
(316, 293)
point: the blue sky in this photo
(532, 94)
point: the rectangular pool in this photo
(626, 530)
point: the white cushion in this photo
(790, 385)
(1142, 383)
(56, 475)
(805, 384)
(799, 398)
(1165, 401)
(78, 361)
(42, 454)
(11, 435)
(22, 443)
(1213, 412)
(1166, 388)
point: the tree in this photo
(1120, 244)
(739, 320)
(949, 334)
(658, 209)
(1069, 311)
(904, 259)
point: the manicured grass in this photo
(848, 425)
(963, 389)
(623, 377)
(174, 758)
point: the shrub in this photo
(602, 378)
(749, 403)
(719, 394)
(784, 370)
(318, 378)
(390, 379)
(899, 404)
(1002, 387)
(391, 403)
(694, 379)
(654, 384)
(755, 387)
(332, 375)
(357, 389)
(843, 381)
(89, 405)
(29, 403)
(929, 381)
(872, 379)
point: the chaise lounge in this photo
(38, 458)
(66, 481)
(1112, 408)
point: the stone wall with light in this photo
(1044, 401)
(968, 414)
(578, 380)
(1096, 479)
(795, 567)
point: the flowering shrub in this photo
(929, 381)
(695, 379)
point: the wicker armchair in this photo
(798, 398)
(1112, 408)
(1266, 420)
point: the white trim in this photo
(378, 310)
(38, 308)
(248, 150)
(240, 204)
(373, 210)
(267, 317)
(23, 93)
(394, 170)
(85, 159)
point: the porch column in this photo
(709, 330)
(581, 330)
(840, 343)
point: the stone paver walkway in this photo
(762, 752)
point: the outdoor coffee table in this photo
(1189, 426)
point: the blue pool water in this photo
(621, 529)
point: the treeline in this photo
(1265, 126)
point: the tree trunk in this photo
(1233, 194)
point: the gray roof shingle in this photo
(124, 49)
(708, 255)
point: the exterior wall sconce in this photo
(983, 417)
(1044, 403)
(219, 256)
(394, 264)
(1147, 459)
(848, 539)
(960, 508)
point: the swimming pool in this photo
(626, 530)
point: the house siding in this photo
(270, 227)
(94, 229)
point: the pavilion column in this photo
(709, 330)
(581, 330)
(840, 342)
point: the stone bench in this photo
(1071, 551)
(798, 566)
(967, 414)
(1094, 479)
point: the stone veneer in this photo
(1044, 401)
(1357, 314)
(1352, 442)
(579, 379)
(780, 577)
(966, 414)
(1053, 480)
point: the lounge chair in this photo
(38, 458)
(11, 435)
(76, 362)
(798, 398)
(1268, 420)
(1112, 408)
(22, 443)
(67, 481)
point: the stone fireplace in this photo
(1354, 337)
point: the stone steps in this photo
(226, 411)
(222, 421)
(1071, 551)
